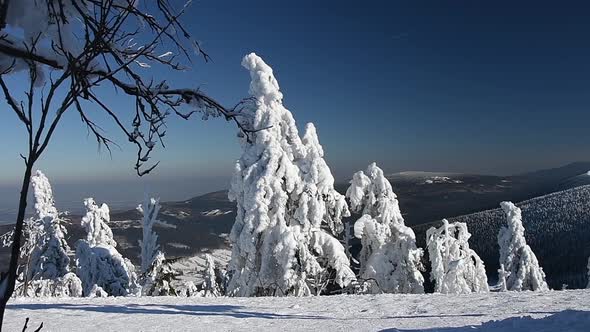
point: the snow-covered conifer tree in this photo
(210, 286)
(33, 234)
(157, 271)
(68, 285)
(456, 268)
(98, 263)
(287, 209)
(103, 266)
(157, 279)
(517, 258)
(390, 260)
(49, 259)
(149, 245)
(189, 289)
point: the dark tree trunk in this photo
(10, 277)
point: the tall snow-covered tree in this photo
(456, 268)
(390, 260)
(49, 259)
(149, 244)
(98, 263)
(521, 267)
(288, 213)
(157, 272)
(210, 286)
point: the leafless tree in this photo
(87, 44)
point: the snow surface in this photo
(509, 311)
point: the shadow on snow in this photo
(164, 309)
(567, 320)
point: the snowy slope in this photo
(526, 311)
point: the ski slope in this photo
(525, 311)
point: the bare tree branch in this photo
(82, 46)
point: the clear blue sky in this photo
(498, 87)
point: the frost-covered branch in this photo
(91, 42)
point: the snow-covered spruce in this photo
(49, 259)
(103, 266)
(98, 263)
(287, 209)
(390, 261)
(68, 285)
(456, 268)
(520, 265)
(157, 279)
(157, 272)
(149, 244)
(210, 286)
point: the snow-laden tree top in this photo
(44, 204)
(278, 123)
(371, 193)
(49, 249)
(287, 208)
(95, 221)
(515, 229)
(263, 84)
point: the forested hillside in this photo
(557, 227)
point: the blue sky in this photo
(462, 86)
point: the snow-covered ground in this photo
(524, 311)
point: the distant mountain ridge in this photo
(192, 226)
